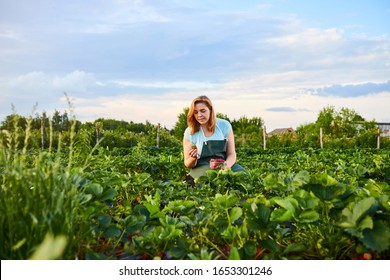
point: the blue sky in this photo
(141, 61)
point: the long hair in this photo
(191, 120)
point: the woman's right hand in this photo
(190, 153)
(193, 151)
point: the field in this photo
(135, 203)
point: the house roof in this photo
(281, 130)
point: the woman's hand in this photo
(190, 153)
(194, 151)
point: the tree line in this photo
(342, 128)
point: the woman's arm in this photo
(231, 156)
(190, 154)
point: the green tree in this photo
(12, 121)
(325, 119)
(181, 124)
(308, 135)
(248, 131)
(338, 123)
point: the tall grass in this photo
(40, 195)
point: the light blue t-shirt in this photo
(222, 129)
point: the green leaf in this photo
(154, 210)
(361, 208)
(351, 218)
(104, 221)
(259, 218)
(366, 223)
(108, 194)
(250, 248)
(301, 179)
(235, 213)
(326, 187)
(270, 245)
(134, 223)
(361, 171)
(308, 216)
(171, 221)
(281, 215)
(289, 203)
(179, 250)
(187, 220)
(185, 207)
(312, 202)
(112, 232)
(234, 254)
(167, 233)
(85, 198)
(324, 180)
(94, 189)
(384, 201)
(355, 232)
(294, 247)
(378, 238)
(225, 201)
(274, 181)
(230, 233)
(262, 214)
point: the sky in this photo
(146, 60)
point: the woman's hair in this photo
(191, 120)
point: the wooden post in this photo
(264, 138)
(158, 135)
(378, 142)
(321, 143)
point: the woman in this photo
(207, 139)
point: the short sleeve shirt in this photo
(222, 129)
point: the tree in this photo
(57, 120)
(338, 123)
(308, 135)
(181, 124)
(248, 131)
(247, 126)
(325, 119)
(12, 121)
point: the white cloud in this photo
(39, 84)
(308, 39)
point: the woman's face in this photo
(202, 113)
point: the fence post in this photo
(321, 143)
(264, 138)
(378, 142)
